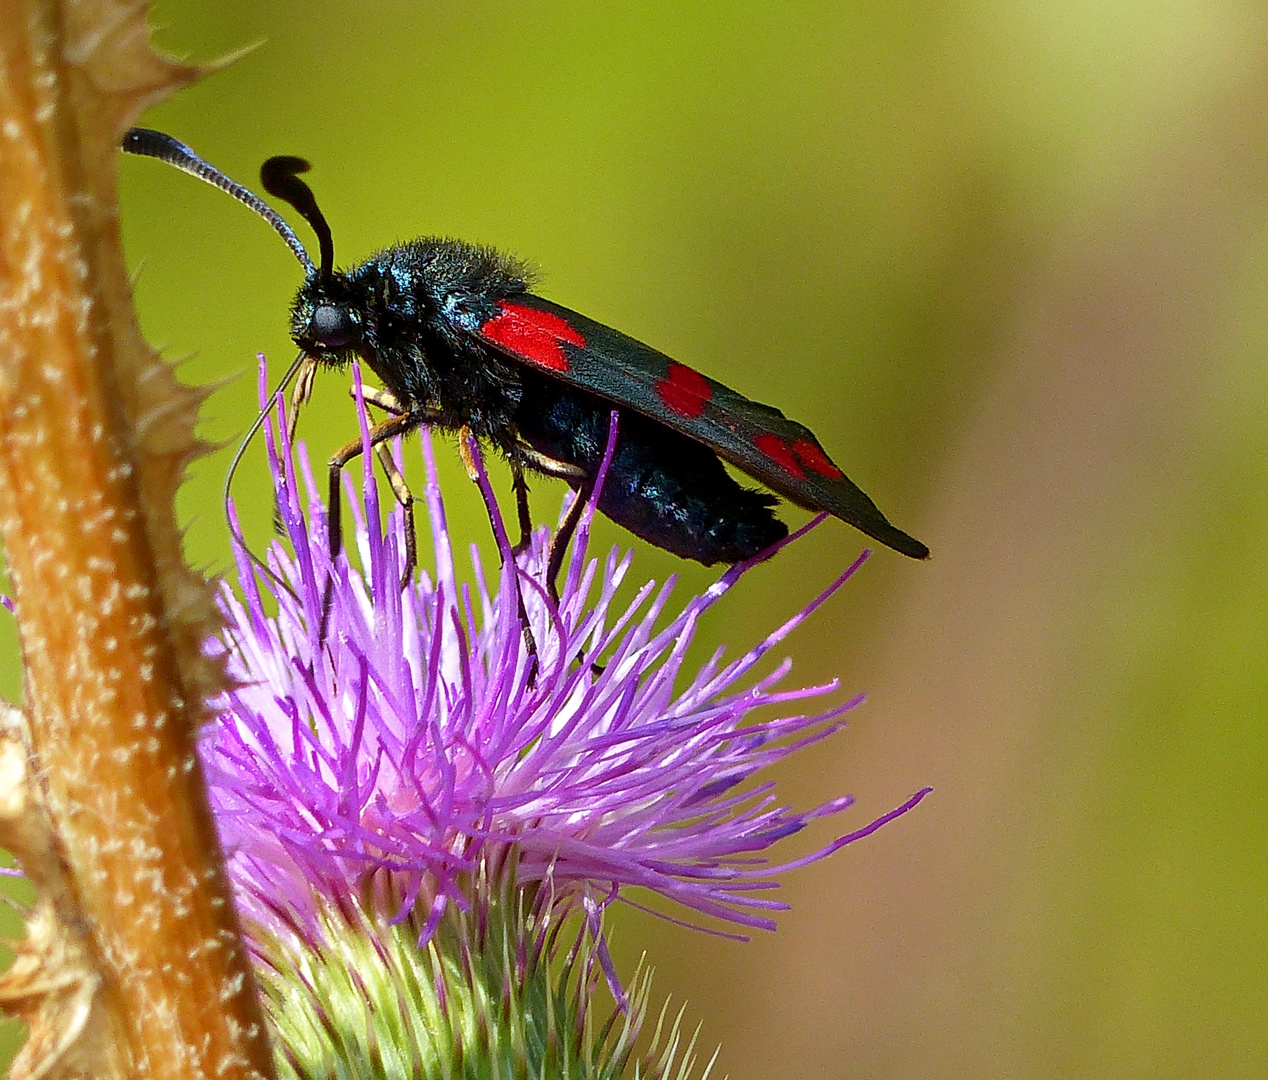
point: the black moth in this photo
(460, 343)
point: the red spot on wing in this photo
(531, 334)
(684, 391)
(814, 459)
(780, 453)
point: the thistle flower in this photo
(418, 766)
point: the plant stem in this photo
(94, 435)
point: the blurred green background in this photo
(1010, 262)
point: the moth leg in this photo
(577, 479)
(380, 399)
(465, 438)
(389, 403)
(559, 547)
(562, 538)
(379, 433)
(302, 391)
(406, 498)
(549, 465)
(520, 486)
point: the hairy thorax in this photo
(403, 312)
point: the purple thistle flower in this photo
(419, 741)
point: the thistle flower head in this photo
(417, 747)
(419, 737)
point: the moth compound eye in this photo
(332, 327)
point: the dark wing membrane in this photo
(782, 454)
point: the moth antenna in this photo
(149, 143)
(279, 175)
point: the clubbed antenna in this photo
(280, 179)
(155, 144)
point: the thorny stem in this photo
(94, 434)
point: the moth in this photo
(461, 342)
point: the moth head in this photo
(328, 319)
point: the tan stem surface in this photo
(94, 434)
